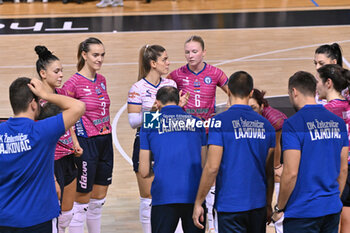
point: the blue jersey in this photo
(320, 136)
(176, 147)
(246, 138)
(27, 187)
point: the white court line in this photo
(278, 51)
(115, 137)
(119, 113)
(279, 59)
(346, 62)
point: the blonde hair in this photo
(196, 39)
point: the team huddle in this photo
(190, 174)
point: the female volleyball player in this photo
(328, 54)
(153, 63)
(93, 130)
(200, 80)
(332, 79)
(49, 69)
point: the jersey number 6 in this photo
(197, 101)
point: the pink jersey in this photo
(341, 108)
(275, 117)
(144, 93)
(96, 120)
(64, 145)
(202, 88)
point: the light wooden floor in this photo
(138, 7)
(270, 55)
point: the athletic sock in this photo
(93, 215)
(145, 214)
(79, 218)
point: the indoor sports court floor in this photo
(270, 39)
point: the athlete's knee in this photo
(79, 214)
(95, 208)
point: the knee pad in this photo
(95, 208)
(145, 210)
(64, 219)
(79, 216)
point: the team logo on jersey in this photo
(207, 80)
(185, 82)
(87, 90)
(196, 86)
(133, 95)
(103, 86)
(99, 94)
(149, 94)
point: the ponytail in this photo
(332, 51)
(337, 53)
(147, 54)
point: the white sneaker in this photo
(104, 3)
(117, 3)
(1, 2)
(16, 1)
(45, 1)
(30, 1)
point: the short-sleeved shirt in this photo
(202, 88)
(246, 138)
(275, 117)
(177, 156)
(320, 136)
(96, 119)
(27, 187)
(341, 108)
(144, 93)
(64, 146)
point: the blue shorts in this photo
(65, 171)
(45, 227)
(95, 166)
(324, 224)
(253, 221)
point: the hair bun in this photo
(42, 52)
